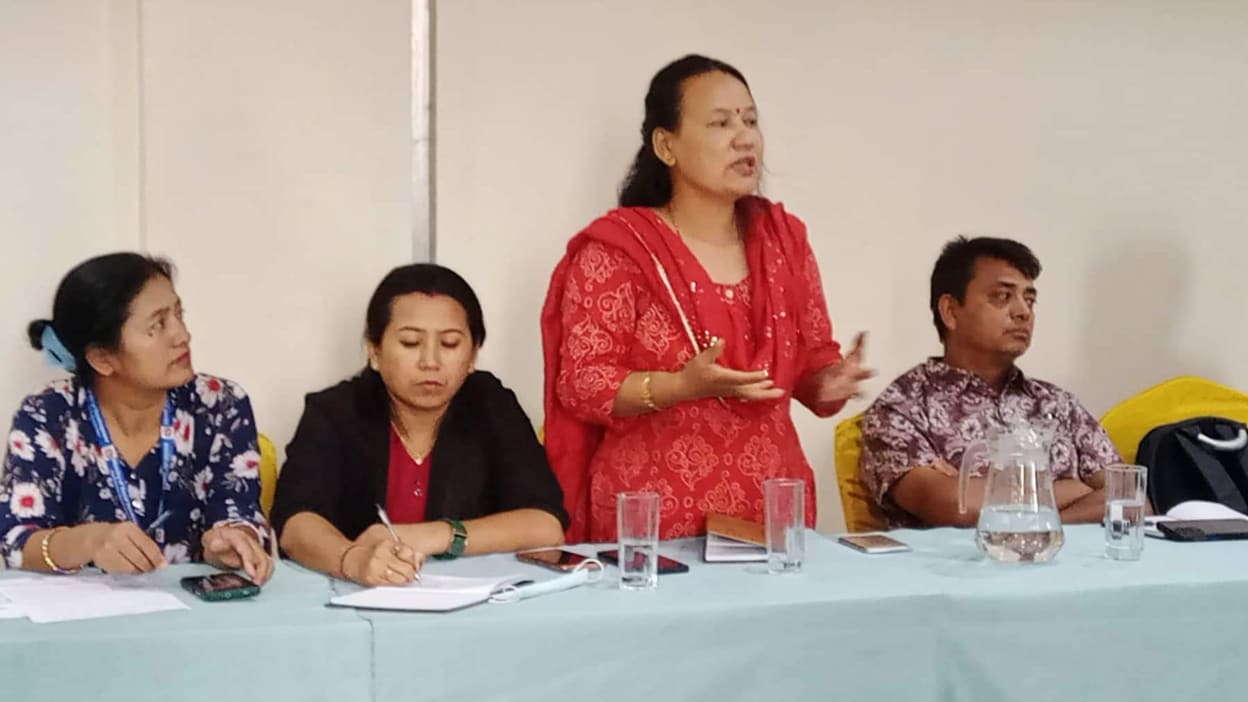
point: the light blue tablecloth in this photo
(938, 623)
(935, 624)
(284, 644)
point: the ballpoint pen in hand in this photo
(158, 521)
(385, 519)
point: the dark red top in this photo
(407, 488)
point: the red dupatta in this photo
(774, 247)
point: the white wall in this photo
(67, 160)
(1108, 136)
(278, 175)
(264, 146)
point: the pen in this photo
(385, 519)
(159, 520)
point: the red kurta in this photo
(610, 312)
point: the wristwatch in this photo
(459, 539)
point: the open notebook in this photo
(733, 540)
(1190, 510)
(434, 593)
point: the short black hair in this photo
(92, 304)
(427, 278)
(956, 267)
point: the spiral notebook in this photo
(434, 593)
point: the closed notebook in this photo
(434, 593)
(733, 540)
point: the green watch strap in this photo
(459, 539)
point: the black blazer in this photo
(486, 458)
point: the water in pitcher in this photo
(1014, 534)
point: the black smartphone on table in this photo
(553, 558)
(219, 587)
(667, 566)
(1204, 529)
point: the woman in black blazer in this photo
(447, 450)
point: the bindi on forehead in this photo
(748, 109)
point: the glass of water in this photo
(637, 519)
(1125, 489)
(784, 510)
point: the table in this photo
(284, 644)
(938, 623)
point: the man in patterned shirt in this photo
(914, 435)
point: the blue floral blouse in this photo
(55, 474)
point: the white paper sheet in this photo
(60, 599)
(8, 610)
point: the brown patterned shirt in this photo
(935, 411)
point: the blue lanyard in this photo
(121, 487)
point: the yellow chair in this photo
(860, 511)
(1174, 400)
(268, 473)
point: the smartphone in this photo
(873, 543)
(553, 558)
(667, 566)
(220, 586)
(1204, 529)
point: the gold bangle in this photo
(646, 398)
(47, 554)
(342, 561)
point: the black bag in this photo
(1205, 458)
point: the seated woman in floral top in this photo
(136, 461)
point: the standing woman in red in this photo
(679, 326)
